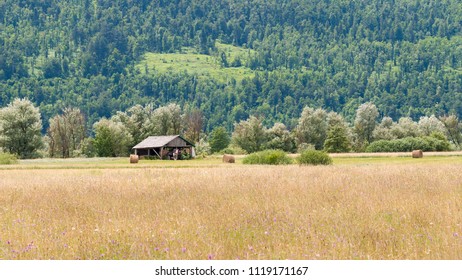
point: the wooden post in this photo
(156, 153)
(161, 152)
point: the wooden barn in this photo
(165, 147)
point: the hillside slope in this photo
(403, 55)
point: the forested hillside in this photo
(405, 56)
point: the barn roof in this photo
(159, 141)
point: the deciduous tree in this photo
(219, 139)
(165, 120)
(66, 133)
(453, 129)
(280, 138)
(249, 134)
(365, 122)
(193, 122)
(312, 127)
(383, 130)
(112, 139)
(429, 125)
(338, 140)
(134, 119)
(20, 128)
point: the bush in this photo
(202, 149)
(272, 157)
(439, 141)
(384, 146)
(426, 144)
(305, 146)
(227, 151)
(7, 158)
(233, 150)
(313, 157)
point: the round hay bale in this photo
(229, 159)
(417, 154)
(134, 158)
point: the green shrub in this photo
(384, 146)
(313, 157)
(7, 158)
(305, 146)
(272, 157)
(426, 144)
(232, 150)
(202, 148)
(227, 151)
(438, 143)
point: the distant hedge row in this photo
(272, 157)
(408, 144)
(278, 157)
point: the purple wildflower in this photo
(30, 246)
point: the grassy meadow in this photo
(358, 208)
(201, 65)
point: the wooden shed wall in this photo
(177, 142)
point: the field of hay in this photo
(359, 208)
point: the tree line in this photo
(316, 128)
(402, 55)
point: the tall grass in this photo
(233, 212)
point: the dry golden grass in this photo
(233, 212)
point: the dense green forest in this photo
(405, 56)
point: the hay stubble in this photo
(233, 212)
